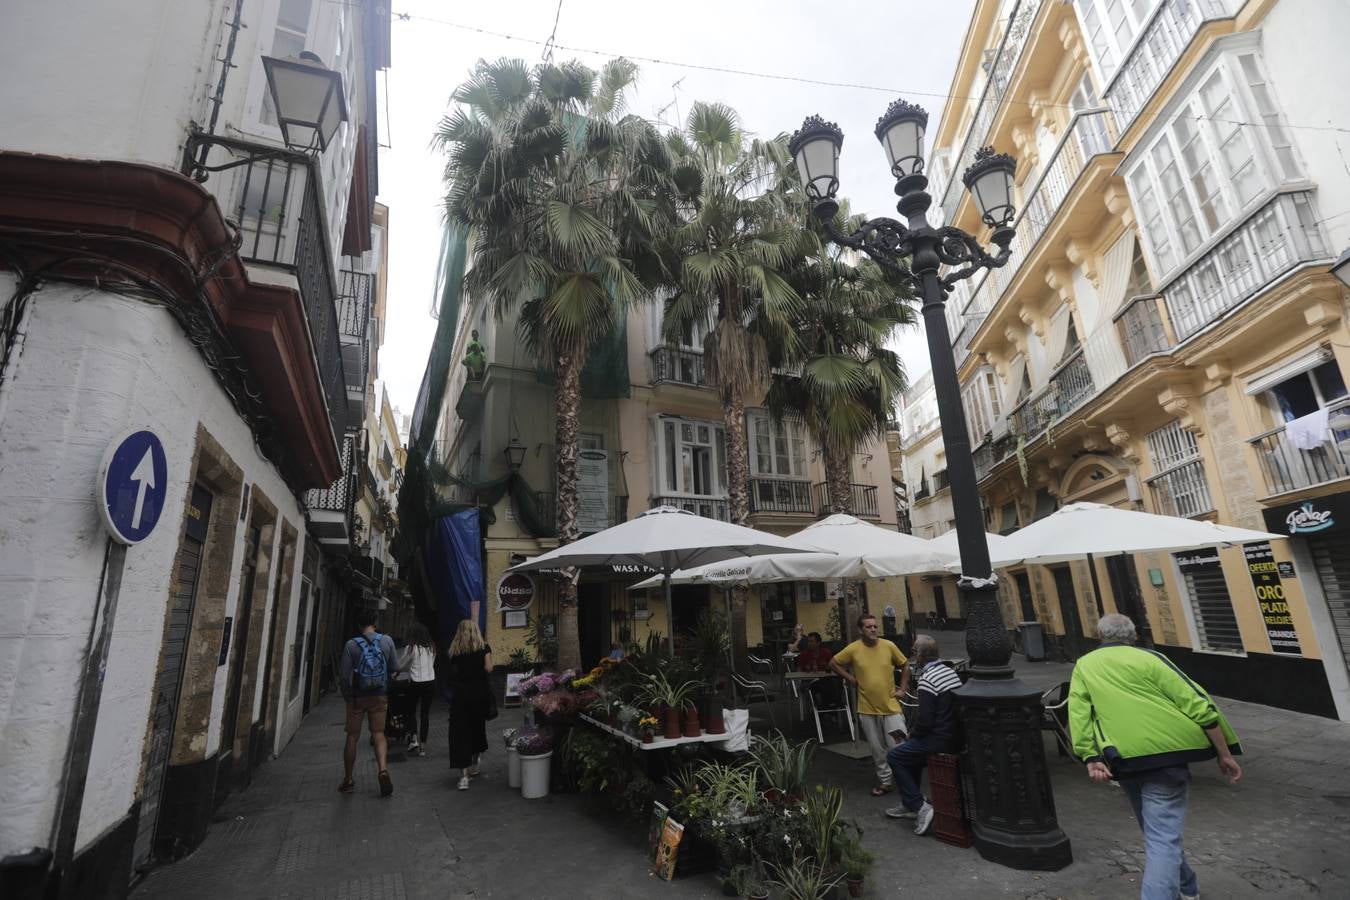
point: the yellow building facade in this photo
(1168, 335)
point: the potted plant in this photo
(856, 861)
(647, 726)
(803, 879)
(673, 697)
(534, 744)
(748, 881)
(823, 806)
(784, 764)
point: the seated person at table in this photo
(798, 639)
(935, 730)
(815, 655)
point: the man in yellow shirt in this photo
(873, 661)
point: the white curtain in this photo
(1016, 369)
(1115, 276)
(1057, 337)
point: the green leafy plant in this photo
(834, 632)
(784, 764)
(594, 762)
(520, 659)
(823, 806)
(855, 859)
(545, 647)
(711, 643)
(803, 879)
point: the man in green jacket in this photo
(1137, 718)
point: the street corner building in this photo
(1169, 334)
(190, 265)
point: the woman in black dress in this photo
(470, 664)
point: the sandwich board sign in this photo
(133, 481)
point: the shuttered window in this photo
(1215, 624)
(1331, 557)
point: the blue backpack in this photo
(371, 675)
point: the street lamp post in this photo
(1004, 758)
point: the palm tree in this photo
(561, 193)
(837, 375)
(735, 241)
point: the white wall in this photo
(93, 364)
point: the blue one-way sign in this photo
(133, 482)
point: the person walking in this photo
(1137, 718)
(470, 665)
(935, 730)
(419, 661)
(873, 660)
(366, 670)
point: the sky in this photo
(880, 50)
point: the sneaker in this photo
(923, 821)
(899, 812)
(471, 771)
(1195, 896)
(386, 784)
(463, 782)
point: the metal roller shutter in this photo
(1214, 619)
(1331, 557)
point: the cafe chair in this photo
(756, 691)
(1055, 717)
(825, 705)
(759, 666)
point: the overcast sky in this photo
(900, 48)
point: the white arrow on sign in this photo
(144, 476)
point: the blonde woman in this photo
(470, 664)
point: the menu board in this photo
(1265, 575)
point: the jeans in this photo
(1159, 803)
(907, 762)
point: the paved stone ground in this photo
(1282, 832)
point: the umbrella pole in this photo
(731, 652)
(1096, 587)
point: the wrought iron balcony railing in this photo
(1273, 240)
(1182, 491)
(1288, 468)
(780, 495)
(1140, 325)
(678, 366)
(548, 512)
(341, 494)
(708, 507)
(1069, 387)
(862, 500)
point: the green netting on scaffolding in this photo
(605, 375)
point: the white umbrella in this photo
(850, 549)
(947, 544)
(664, 539)
(1084, 529)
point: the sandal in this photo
(882, 790)
(346, 787)
(386, 784)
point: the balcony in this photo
(780, 495)
(1288, 468)
(1069, 387)
(330, 509)
(1155, 53)
(469, 406)
(1275, 239)
(940, 481)
(708, 507)
(588, 522)
(1091, 133)
(1142, 333)
(1182, 491)
(673, 365)
(862, 500)
(354, 301)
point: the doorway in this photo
(169, 678)
(940, 602)
(1129, 600)
(1068, 610)
(593, 621)
(1024, 596)
(239, 662)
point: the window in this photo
(777, 449)
(1216, 626)
(691, 458)
(288, 39)
(1092, 135)
(1209, 162)
(1139, 284)
(1179, 486)
(1111, 27)
(1305, 393)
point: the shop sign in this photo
(1270, 598)
(1286, 569)
(631, 569)
(1310, 517)
(515, 592)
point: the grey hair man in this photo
(935, 730)
(1139, 719)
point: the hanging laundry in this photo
(1308, 432)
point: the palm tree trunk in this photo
(838, 487)
(738, 502)
(567, 420)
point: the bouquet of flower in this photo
(532, 740)
(538, 684)
(553, 703)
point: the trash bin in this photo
(1033, 641)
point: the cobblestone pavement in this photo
(1282, 832)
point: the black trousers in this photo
(418, 696)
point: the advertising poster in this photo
(592, 491)
(672, 833)
(656, 827)
(1270, 599)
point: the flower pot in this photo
(691, 726)
(513, 767)
(648, 737)
(772, 795)
(758, 894)
(713, 721)
(534, 775)
(672, 723)
(855, 886)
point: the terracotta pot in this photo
(772, 795)
(647, 737)
(671, 721)
(855, 886)
(715, 723)
(691, 726)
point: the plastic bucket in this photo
(513, 767)
(534, 775)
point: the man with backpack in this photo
(367, 668)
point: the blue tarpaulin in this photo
(455, 564)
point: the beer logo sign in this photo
(515, 592)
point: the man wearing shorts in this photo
(372, 704)
(873, 660)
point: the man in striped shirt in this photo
(935, 730)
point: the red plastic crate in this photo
(950, 824)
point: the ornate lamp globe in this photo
(901, 131)
(815, 147)
(990, 181)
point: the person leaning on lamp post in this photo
(873, 660)
(1136, 718)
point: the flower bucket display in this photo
(534, 775)
(513, 767)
